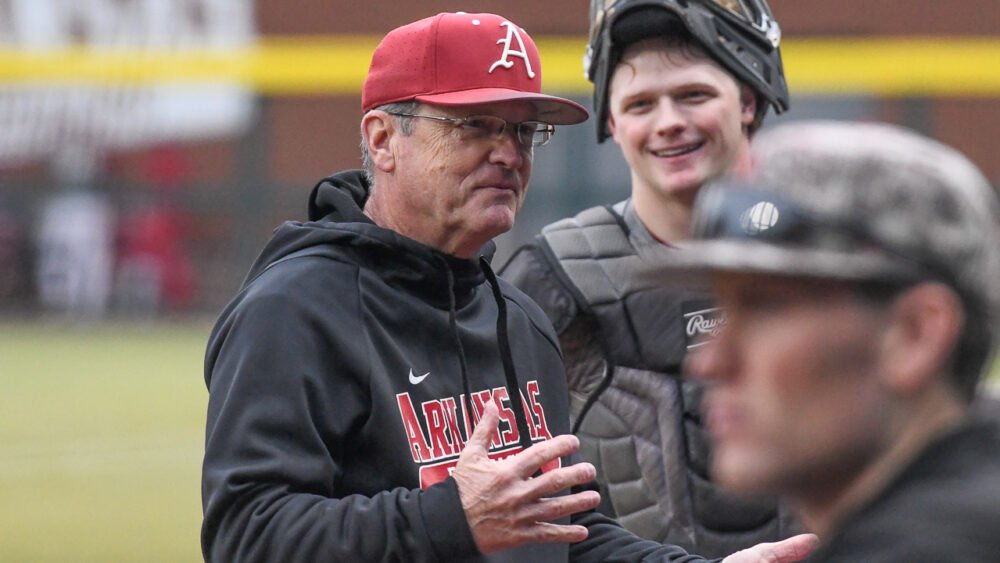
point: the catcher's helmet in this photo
(741, 35)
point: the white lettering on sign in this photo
(40, 118)
(46, 24)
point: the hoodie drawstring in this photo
(506, 357)
(503, 343)
(453, 325)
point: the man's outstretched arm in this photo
(507, 506)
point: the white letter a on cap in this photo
(512, 33)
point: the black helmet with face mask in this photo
(741, 35)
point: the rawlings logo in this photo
(702, 325)
(504, 61)
(699, 325)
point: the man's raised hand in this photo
(505, 506)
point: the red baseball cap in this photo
(457, 59)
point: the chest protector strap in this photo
(643, 317)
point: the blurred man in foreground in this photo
(375, 393)
(858, 267)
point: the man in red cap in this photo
(375, 393)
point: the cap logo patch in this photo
(759, 218)
(522, 53)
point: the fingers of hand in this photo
(507, 507)
(485, 429)
(508, 483)
(552, 482)
(532, 459)
(513, 476)
(795, 548)
(789, 550)
(495, 536)
(546, 532)
(548, 509)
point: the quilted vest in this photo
(641, 425)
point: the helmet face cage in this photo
(757, 14)
(741, 35)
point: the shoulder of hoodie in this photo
(285, 301)
(308, 280)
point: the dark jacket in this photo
(340, 380)
(944, 506)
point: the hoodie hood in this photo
(337, 223)
(340, 198)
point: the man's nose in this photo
(711, 361)
(508, 150)
(669, 118)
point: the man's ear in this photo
(611, 125)
(925, 324)
(748, 105)
(379, 130)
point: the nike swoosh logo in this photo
(417, 379)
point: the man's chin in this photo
(497, 219)
(683, 187)
(740, 472)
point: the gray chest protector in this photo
(638, 421)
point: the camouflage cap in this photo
(854, 201)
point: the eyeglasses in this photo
(528, 133)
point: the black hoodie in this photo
(340, 381)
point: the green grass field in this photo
(101, 435)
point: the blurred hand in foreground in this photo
(789, 550)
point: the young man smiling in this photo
(680, 87)
(680, 120)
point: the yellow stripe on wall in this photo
(895, 67)
(337, 65)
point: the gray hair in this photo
(405, 127)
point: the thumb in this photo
(485, 429)
(788, 550)
(795, 548)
